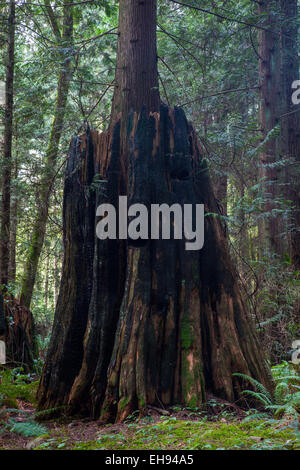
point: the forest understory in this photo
(219, 425)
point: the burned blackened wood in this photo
(108, 287)
(145, 323)
(17, 331)
(65, 354)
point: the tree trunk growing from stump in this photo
(143, 322)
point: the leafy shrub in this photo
(16, 385)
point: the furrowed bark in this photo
(136, 79)
(17, 330)
(143, 322)
(160, 324)
(65, 354)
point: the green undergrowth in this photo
(172, 433)
(15, 385)
(217, 426)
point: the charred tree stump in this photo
(17, 331)
(144, 322)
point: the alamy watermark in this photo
(2, 93)
(163, 222)
(2, 352)
(296, 93)
(296, 352)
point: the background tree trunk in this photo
(291, 120)
(7, 150)
(13, 228)
(16, 322)
(39, 228)
(271, 227)
(220, 188)
(143, 322)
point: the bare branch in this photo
(164, 88)
(223, 17)
(222, 93)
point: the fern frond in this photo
(295, 398)
(258, 396)
(280, 393)
(256, 416)
(51, 412)
(260, 388)
(28, 429)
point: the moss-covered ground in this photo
(221, 426)
(172, 433)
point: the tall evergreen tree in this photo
(7, 149)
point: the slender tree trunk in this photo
(13, 240)
(143, 322)
(7, 161)
(56, 274)
(39, 228)
(46, 288)
(220, 188)
(271, 227)
(220, 180)
(16, 322)
(13, 228)
(291, 120)
(243, 237)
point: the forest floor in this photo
(220, 426)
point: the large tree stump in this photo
(145, 322)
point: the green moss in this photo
(186, 332)
(171, 433)
(10, 402)
(193, 401)
(142, 403)
(122, 403)
(12, 391)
